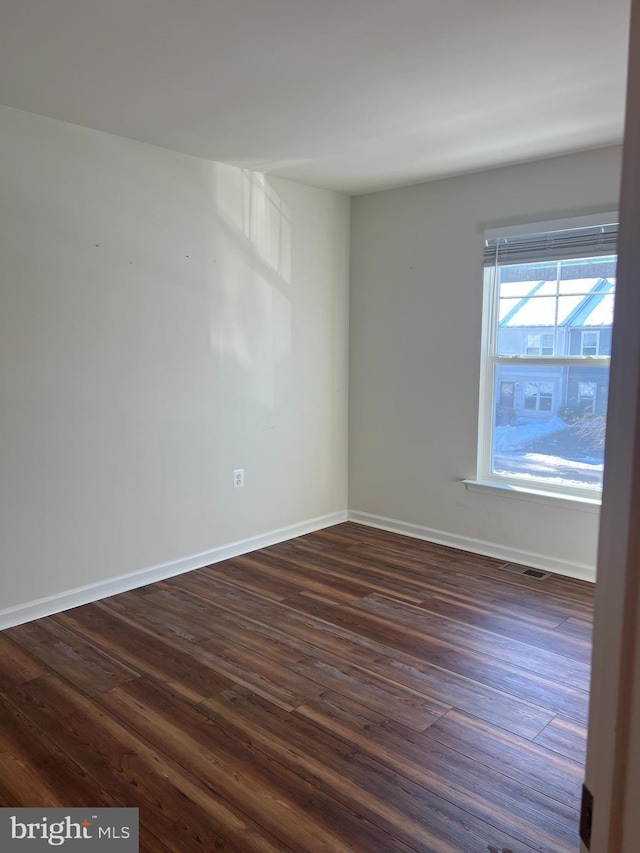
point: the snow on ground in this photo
(525, 430)
(540, 470)
(532, 450)
(543, 462)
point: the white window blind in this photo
(586, 242)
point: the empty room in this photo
(319, 376)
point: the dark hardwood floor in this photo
(350, 690)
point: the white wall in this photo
(416, 318)
(163, 320)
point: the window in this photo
(549, 299)
(590, 343)
(587, 397)
(540, 344)
(538, 396)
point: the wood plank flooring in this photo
(350, 690)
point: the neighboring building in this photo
(573, 317)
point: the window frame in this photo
(490, 360)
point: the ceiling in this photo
(352, 95)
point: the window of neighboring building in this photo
(538, 396)
(549, 299)
(587, 392)
(540, 344)
(590, 343)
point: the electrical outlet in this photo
(238, 478)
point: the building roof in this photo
(574, 302)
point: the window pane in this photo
(517, 289)
(567, 308)
(533, 345)
(604, 267)
(600, 310)
(507, 306)
(587, 395)
(580, 286)
(551, 428)
(587, 389)
(536, 311)
(529, 272)
(545, 404)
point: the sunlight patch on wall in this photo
(247, 202)
(251, 312)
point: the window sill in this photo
(582, 504)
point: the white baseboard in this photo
(582, 571)
(40, 607)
